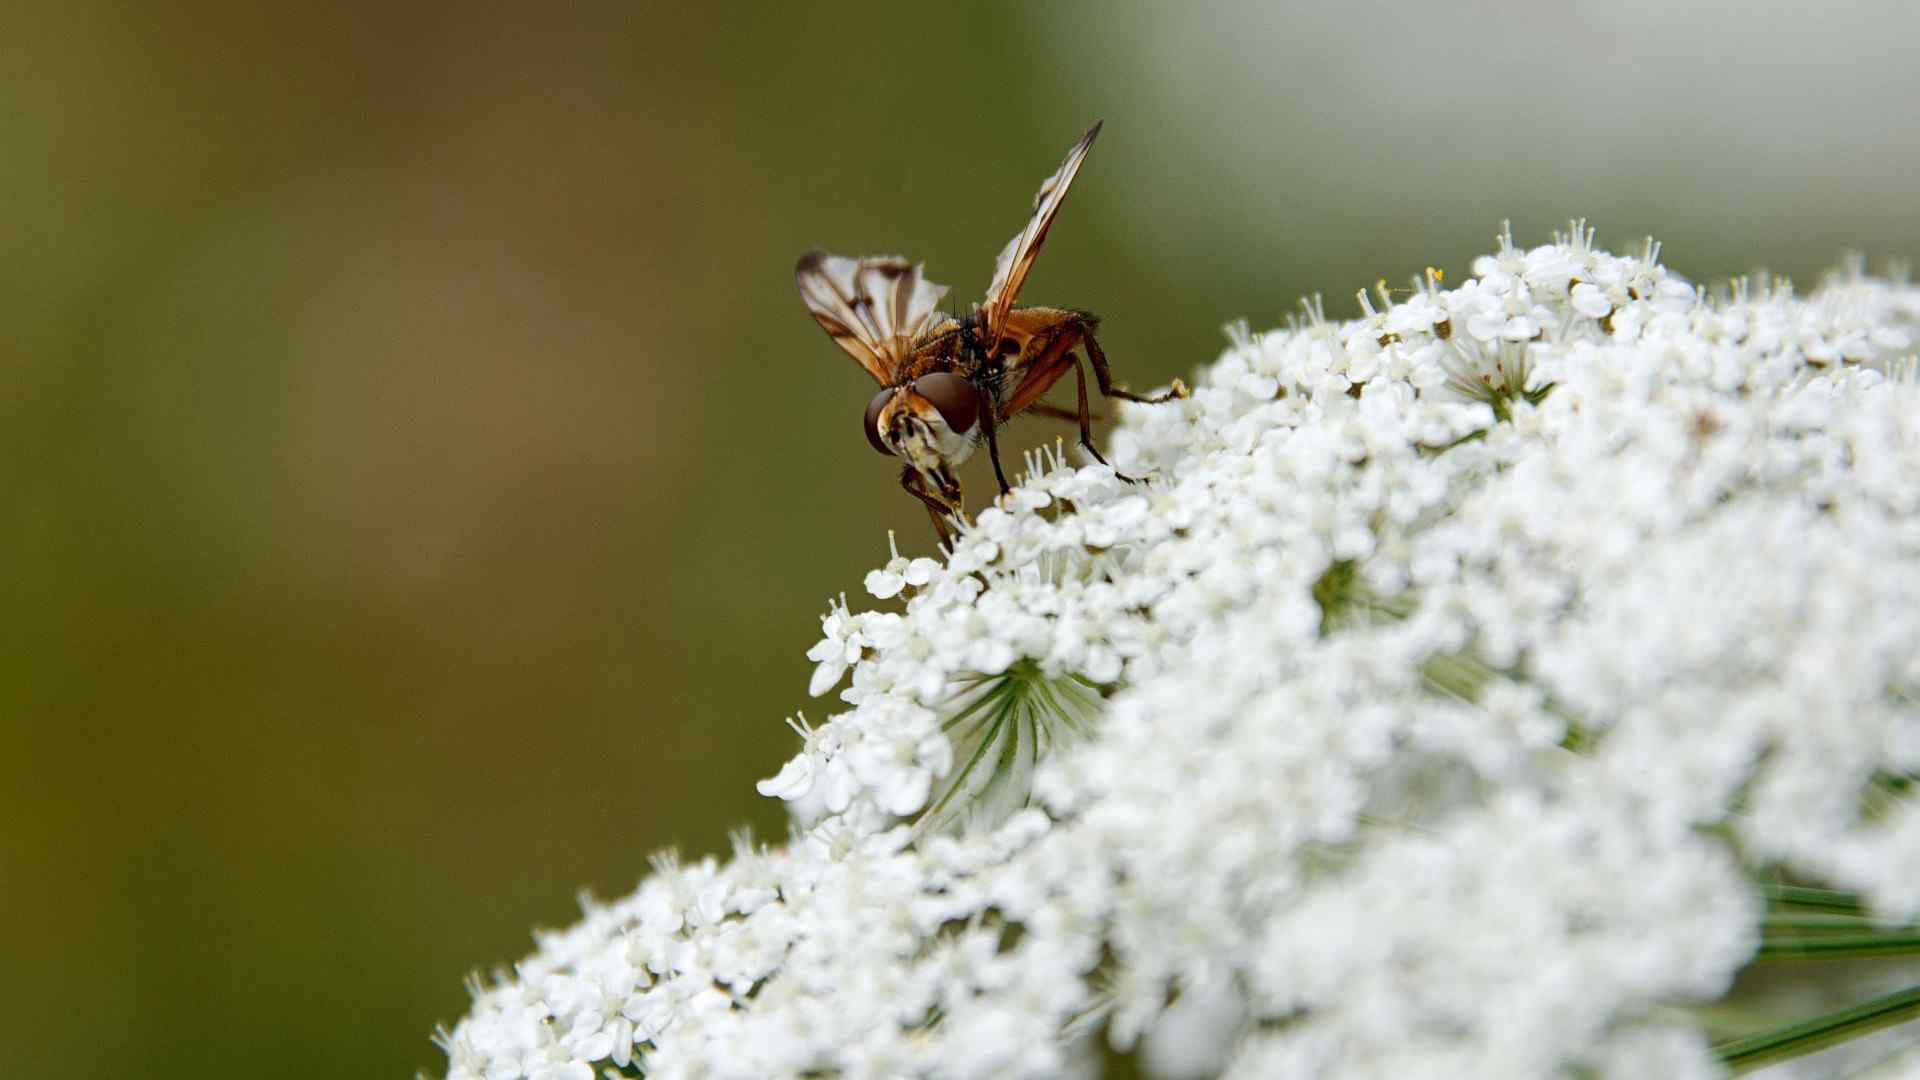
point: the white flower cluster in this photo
(1427, 713)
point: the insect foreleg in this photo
(991, 428)
(938, 508)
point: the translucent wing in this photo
(1017, 257)
(874, 307)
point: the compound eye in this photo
(955, 397)
(872, 424)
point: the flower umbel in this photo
(1517, 680)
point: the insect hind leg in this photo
(1104, 375)
(1054, 412)
(1085, 418)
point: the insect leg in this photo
(1086, 428)
(993, 443)
(1046, 359)
(1054, 412)
(937, 508)
(1086, 425)
(1105, 377)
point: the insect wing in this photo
(1016, 259)
(874, 307)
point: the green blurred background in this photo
(421, 481)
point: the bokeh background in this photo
(421, 482)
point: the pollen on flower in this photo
(1438, 705)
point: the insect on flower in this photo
(948, 384)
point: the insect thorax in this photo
(957, 347)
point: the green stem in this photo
(1827, 921)
(1804, 1037)
(1801, 896)
(1903, 942)
(1003, 708)
(1471, 436)
(991, 698)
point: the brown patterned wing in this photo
(1016, 259)
(874, 307)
